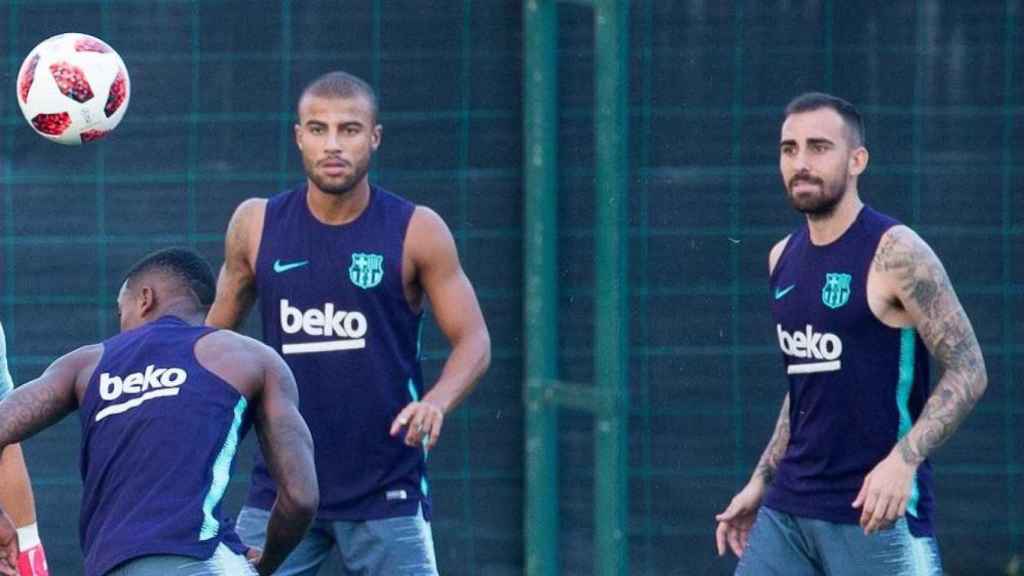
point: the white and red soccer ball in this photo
(73, 88)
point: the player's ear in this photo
(298, 136)
(378, 134)
(858, 162)
(147, 300)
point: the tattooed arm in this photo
(30, 408)
(921, 294)
(924, 291)
(735, 522)
(38, 404)
(768, 465)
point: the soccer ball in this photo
(73, 88)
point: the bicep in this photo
(236, 282)
(452, 298)
(284, 437)
(278, 401)
(921, 285)
(39, 403)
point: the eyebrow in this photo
(343, 124)
(791, 142)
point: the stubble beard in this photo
(819, 206)
(338, 187)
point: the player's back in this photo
(159, 434)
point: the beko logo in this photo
(825, 348)
(141, 386)
(348, 328)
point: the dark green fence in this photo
(214, 84)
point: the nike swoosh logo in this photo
(280, 267)
(780, 293)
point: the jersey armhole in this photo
(786, 242)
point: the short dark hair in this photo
(339, 84)
(181, 264)
(810, 101)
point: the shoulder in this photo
(427, 231)
(776, 252)
(909, 270)
(83, 360)
(249, 210)
(427, 219)
(245, 229)
(899, 248)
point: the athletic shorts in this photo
(786, 545)
(390, 546)
(223, 561)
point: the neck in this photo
(827, 228)
(181, 308)
(338, 208)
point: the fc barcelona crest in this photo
(836, 291)
(366, 270)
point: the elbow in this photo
(300, 502)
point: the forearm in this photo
(15, 489)
(287, 525)
(33, 407)
(772, 455)
(466, 364)
(954, 397)
(288, 451)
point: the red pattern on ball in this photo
(52, 124)
(117, 94)
(92, 135)
(91, 45)
(71, 81)
(28, 75)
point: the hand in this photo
(884, 495)
(423, 422)
(735, 521)
(8, 546)
(254, 555)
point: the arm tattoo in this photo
(33, 407)
(772, 455)
(926, 293)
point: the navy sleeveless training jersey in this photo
(855, 385)
(159, 434)
(333, 305)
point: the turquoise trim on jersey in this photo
(424, 486)
(419, 339)
(6, 382)
(907, 348)
(416, 398)
(221, 474)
